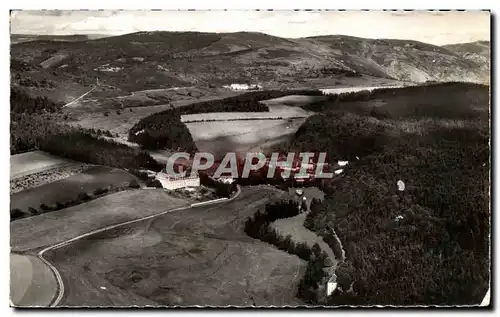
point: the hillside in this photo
(401, 59)
(149, 60)
(427, 245)
(20, 38)
(477, 52)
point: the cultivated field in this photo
(34, 162)
(68, 189)
(199, 256)
(241, 136)
(45, 177)
(32, 283)
(57, 226)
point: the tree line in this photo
(258, 227)
(21, 102)
(30, 132)
(82, 197)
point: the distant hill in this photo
(401, 59)
(20, 38)
(148, 60)
(477, 52)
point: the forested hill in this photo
(428, 245)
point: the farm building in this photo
(244, 87)
(172, 182)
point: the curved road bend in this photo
(57, 275)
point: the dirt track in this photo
(199, 256)
(47, 229)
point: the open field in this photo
(90, 113)
(46, 177)
(294, 226)
(57, 226)
(31, 281)
(33, 162)
(241, 136)
(198, 256)
(69, 188)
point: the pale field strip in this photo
(45, 177)
(32, 282)
(275, 112)
(34, 162)
(331, 91)
(213, 130)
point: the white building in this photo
(173, 182)
(244, 87)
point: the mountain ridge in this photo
(160, 59)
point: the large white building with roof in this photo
(173, 182)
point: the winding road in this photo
(37, 291)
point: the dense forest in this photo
(341, 135)
(165, 129)
(31, 129)
(21, 102)
(427, 100)
(427, 245)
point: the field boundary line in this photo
(60, 291)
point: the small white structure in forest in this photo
(337, 172)
(342, 163)
(401, 185)
(172, 182)
(398, 218)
